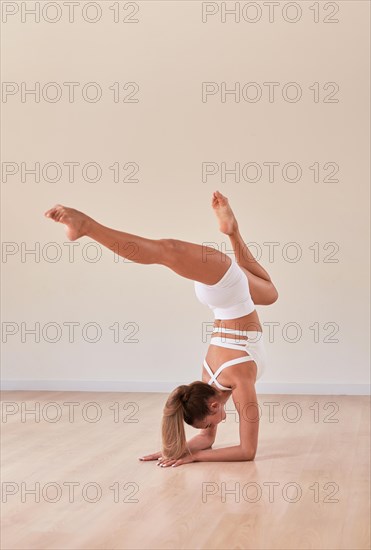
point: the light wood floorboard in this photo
(323, 459)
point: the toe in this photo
(51, 211)
(59, 216)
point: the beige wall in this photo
(170, 133)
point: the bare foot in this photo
(77, 223)
(227, 221)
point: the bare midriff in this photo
(245, 323)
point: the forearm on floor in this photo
(226, 454)
(198, 443)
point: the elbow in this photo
(209, 443)
(250, 458)
(248, 455)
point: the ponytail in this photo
(174, 443)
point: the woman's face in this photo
(217, 415)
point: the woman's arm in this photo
(245, 400)
(226, 454)
(203, 440)
(246, 403)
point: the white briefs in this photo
(253, 346)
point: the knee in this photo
(168, 245)
(273, 297)
(270, 295)
(169, 248)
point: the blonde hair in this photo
(187, 403)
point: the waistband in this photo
(237, 332)
(254, 344)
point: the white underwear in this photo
(253, 346)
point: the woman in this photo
(235, 359)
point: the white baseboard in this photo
(156, 386)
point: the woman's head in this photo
(197, 404)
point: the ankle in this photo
(235, 232)
(90, 227)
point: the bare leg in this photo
(262, 289)
(190, 260)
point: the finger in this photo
(166, 462)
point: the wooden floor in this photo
(308, 487)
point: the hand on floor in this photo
(154, 456)
(185, 459)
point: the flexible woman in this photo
(235, 358)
